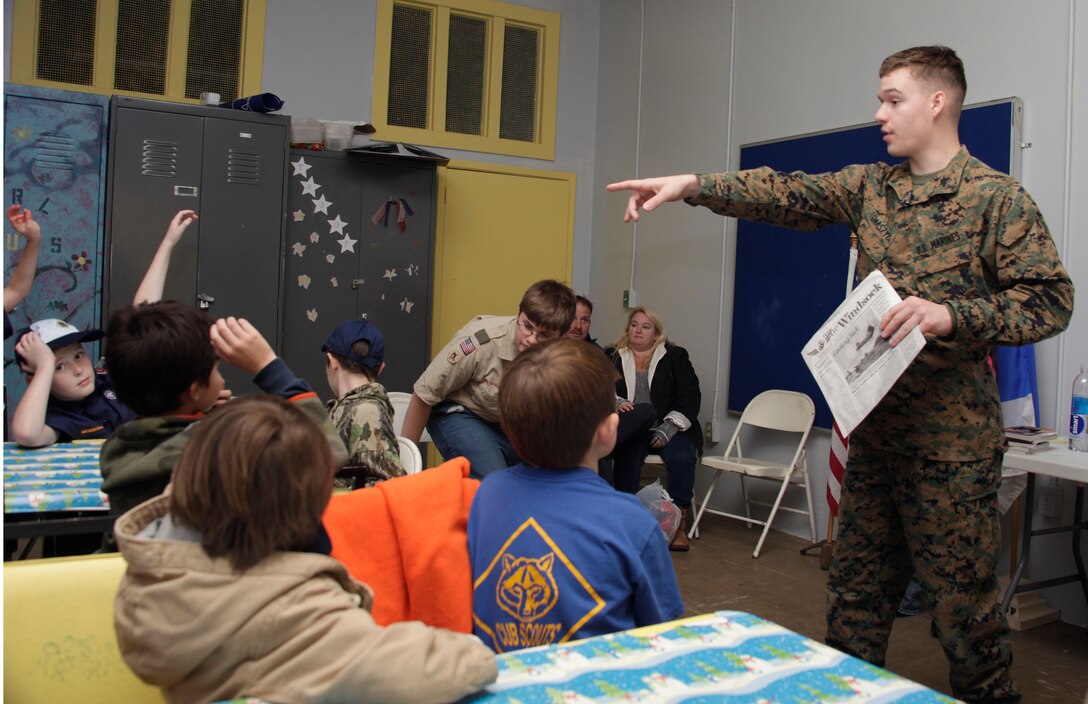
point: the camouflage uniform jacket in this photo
(364, 419)
(970, 238)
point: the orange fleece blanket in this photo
(407, 539)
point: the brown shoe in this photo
(680, 540)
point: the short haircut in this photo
(254, 478)
(155, 351)
(552, 399)
(549, 304)
(623, 342)
(584, 301)
(360, 348)
(935, 65)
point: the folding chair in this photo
(410, 458)
(785, 411)
(400, 401)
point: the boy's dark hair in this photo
(255, 477)
(549, 304)
(155, 352)
(553, 397)
(361, 349)
(932, 64)
(584, 301)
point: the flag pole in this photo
(828, 543)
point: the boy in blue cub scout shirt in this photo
(556, 553)
(66, 398)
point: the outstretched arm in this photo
(17, 288)
(151, 287)
(648, 193)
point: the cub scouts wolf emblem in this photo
(526, 588)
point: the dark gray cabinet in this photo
(360, 244)
(227, 165)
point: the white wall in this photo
(800, 67)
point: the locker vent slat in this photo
(54, 158)
(243, 167)
(160, 159)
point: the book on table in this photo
(1029, 434)
(1026, 448)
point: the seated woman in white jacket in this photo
(230, 591)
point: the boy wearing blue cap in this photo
(66, 398)
(362, 414)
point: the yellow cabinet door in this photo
(499, 229)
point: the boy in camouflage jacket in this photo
(362, 414)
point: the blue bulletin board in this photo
(789, 282)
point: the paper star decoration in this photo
(390, 274)
(309, 186)
(321, 205)
(330, 258)
(298, 248)
(304, 281)
(301, 167)
(411, 269)
(336, 225)
(406, 305)
(314, 237)
(334, 282)
(299, 215)
(312, 314)
(347, 244)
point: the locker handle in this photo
(188, 191)
(204, 301)
(355, 283)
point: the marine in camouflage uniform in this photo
(919, 492)
(364, 419)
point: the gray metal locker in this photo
(360, 243)
(227, 165)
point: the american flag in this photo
(836, 462)
(840, 444)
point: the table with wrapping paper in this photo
(54, 490)
(729, 656)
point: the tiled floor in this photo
(1050, 661)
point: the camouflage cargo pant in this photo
(937, 520)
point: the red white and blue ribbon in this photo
(403, 211)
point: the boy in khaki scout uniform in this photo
(457, 397)
(969, 252)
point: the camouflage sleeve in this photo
(370, 442)
(312, 406)
(796, 200)
(1034, 299)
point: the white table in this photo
(1058, 461)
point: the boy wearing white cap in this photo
(66, 398)
(362, 414)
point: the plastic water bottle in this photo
(1078, 415)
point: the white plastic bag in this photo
(660, 505)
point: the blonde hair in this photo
(622, 342)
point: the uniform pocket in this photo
(971, 481)
(948, 273)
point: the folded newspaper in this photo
(853, 365)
